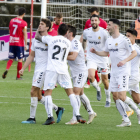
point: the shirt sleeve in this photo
(128, 45)
(106, 47)
(76, 46)
(46, 39)
(138, 50)
(32, 47)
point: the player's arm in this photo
(72, 56)
(38, 36)
(25, 37)
(28, 61)
(103, 53)
(84, 44)
(133, 54)
(81, 38)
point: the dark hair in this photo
(93, 9)
(62, 30)
(132, 31)
(72, 29)
(47, 22)
(94, 16)
(115, 21)
(59, 15)
(50, 18)
(21, 11)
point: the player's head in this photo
(71, 31)
(131, 34)
(58, 18)
(21, 11)
(95, 21)
(113, 25)
(94, 11)
(44, 25)
(51, 19)
(62, 30)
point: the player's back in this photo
(58, 49)
(16, 27)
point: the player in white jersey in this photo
(96, 37)
(57, 71)
(39, 52)
(79, 74)
(121, 52)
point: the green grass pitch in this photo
(15, 107)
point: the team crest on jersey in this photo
(46, 44)
(99, 37)
(116, 44)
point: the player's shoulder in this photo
(24, 22)
(103, 30)
(75, 41)
(136, 46)
(88, 30)
(125, 38)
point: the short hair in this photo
(62, 30)
(50, 18)
(47, 22)
(93, 9)
(72, 29)
(94, 16)
(59, 15)
(132, 31)
(115, 21)
(21, 11)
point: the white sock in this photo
(34, 102)
(130, 102)
(121, 108)
(79, 105)
(107, 93)
(139, 104)
(74, 104)
(48, 105)
(86, 103)
(55, 107)
(127, 107)
(42, 101)
(94, 84)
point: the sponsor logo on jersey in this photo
(113, 50)
(99, 37)
(42, 49)
(92, 42)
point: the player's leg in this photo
(106, 89)
(11, 56)
(20, 55)
(33, 106)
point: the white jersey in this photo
(119, 48)
(78, 65)
(135, 63)
(41, 55)
(58, 49)
(97, 41)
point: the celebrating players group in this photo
(55, 44)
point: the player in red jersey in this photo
(57, 21)
(103, 24)
(18, 34)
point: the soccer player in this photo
(121, 52)
(39, 51)
(79, 74)
(57, 71)
(18, 35)
(57, 21)
(134, 78)
(96, 37)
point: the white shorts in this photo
(118, 83)
(51, 78)
(104, 67)
(79, 79)
(38, 79)
(133, 85)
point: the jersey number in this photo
(15, 28)
(58, 51)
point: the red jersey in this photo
(55, 26)
(16, 27)
(102, 24)
(53, 32)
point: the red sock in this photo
(9, 63)
(88, 82)
(19, 67)
(96, 76)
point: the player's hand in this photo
(25, 48)
(21, 72)
(92, 50)
(120, 64)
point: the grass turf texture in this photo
(15, 107)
